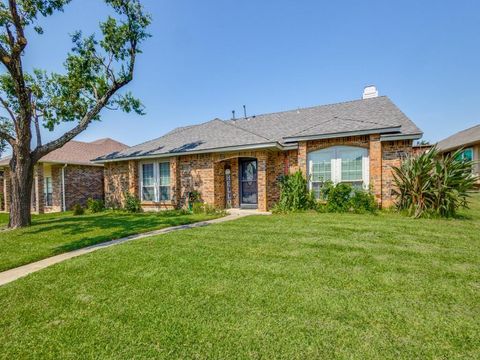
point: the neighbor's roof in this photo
(375, 115)
(460, 139)
(78, 152)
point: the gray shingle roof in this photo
(276, 128)
(463, 138)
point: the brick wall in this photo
(116, 182)
(393, 152)
(82, 183)
(205, 173)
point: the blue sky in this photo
(208, 57)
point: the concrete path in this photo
(16, 273)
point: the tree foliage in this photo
(94, 70)
(433, 184)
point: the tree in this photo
(95, 71)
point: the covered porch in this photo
(240, 182)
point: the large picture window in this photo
(155, 181)
(338, 164)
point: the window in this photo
(164, 181)
(466, 154)
(155, 181)
(48, 191)
(338, 164)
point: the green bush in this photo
(337, 196)
(294, 194)
(95, 206)
(132, 203)
(343, 197)
(432, 184)
(78, 210)
(363, 201)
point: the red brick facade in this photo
(205, 173)
(81, 182)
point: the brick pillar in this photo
(133, 178)
(375, 155)
(7, 188)
(262, 181)
(175, 182)
(38, 187)
(302, 157)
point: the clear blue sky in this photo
(211, 56)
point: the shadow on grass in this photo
(99, 228)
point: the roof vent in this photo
(370, 92)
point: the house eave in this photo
(270, 145)
(342, 134)
(401, 137)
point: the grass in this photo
(52, 234)
(284, 286)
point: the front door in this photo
(248, 183)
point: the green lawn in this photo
(283, 286)
(52, 234)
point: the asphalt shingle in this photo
(276, 128)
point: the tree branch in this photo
(41, 151)
(17, 22)
(10, 112)
(5, 135)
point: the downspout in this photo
(64, 207)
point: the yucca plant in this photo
(433, 184)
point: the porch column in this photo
(38, 185)
(262, 181)
(302, 157)
(375, 155)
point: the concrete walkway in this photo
(16, 273)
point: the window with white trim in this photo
(347, 164)
(155, 181)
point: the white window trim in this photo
(336, 166)
(156, 180)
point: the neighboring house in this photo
(469, 141)
(238, 163)
(65, 177)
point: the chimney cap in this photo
(369, 92)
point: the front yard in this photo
(52, 234)
(283, 286)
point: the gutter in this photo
(271, 145)
(400, 137)
(343, 134)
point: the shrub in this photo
(363, 201)
(337, 196)
(95, 206)
(132, 203)
(294, 194)
(78, 210)
(343, 197)
(431, 184)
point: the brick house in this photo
(65, 177)
(469, 141)
(237, 163)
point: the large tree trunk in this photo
(21, 177)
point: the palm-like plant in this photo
(431, 183)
